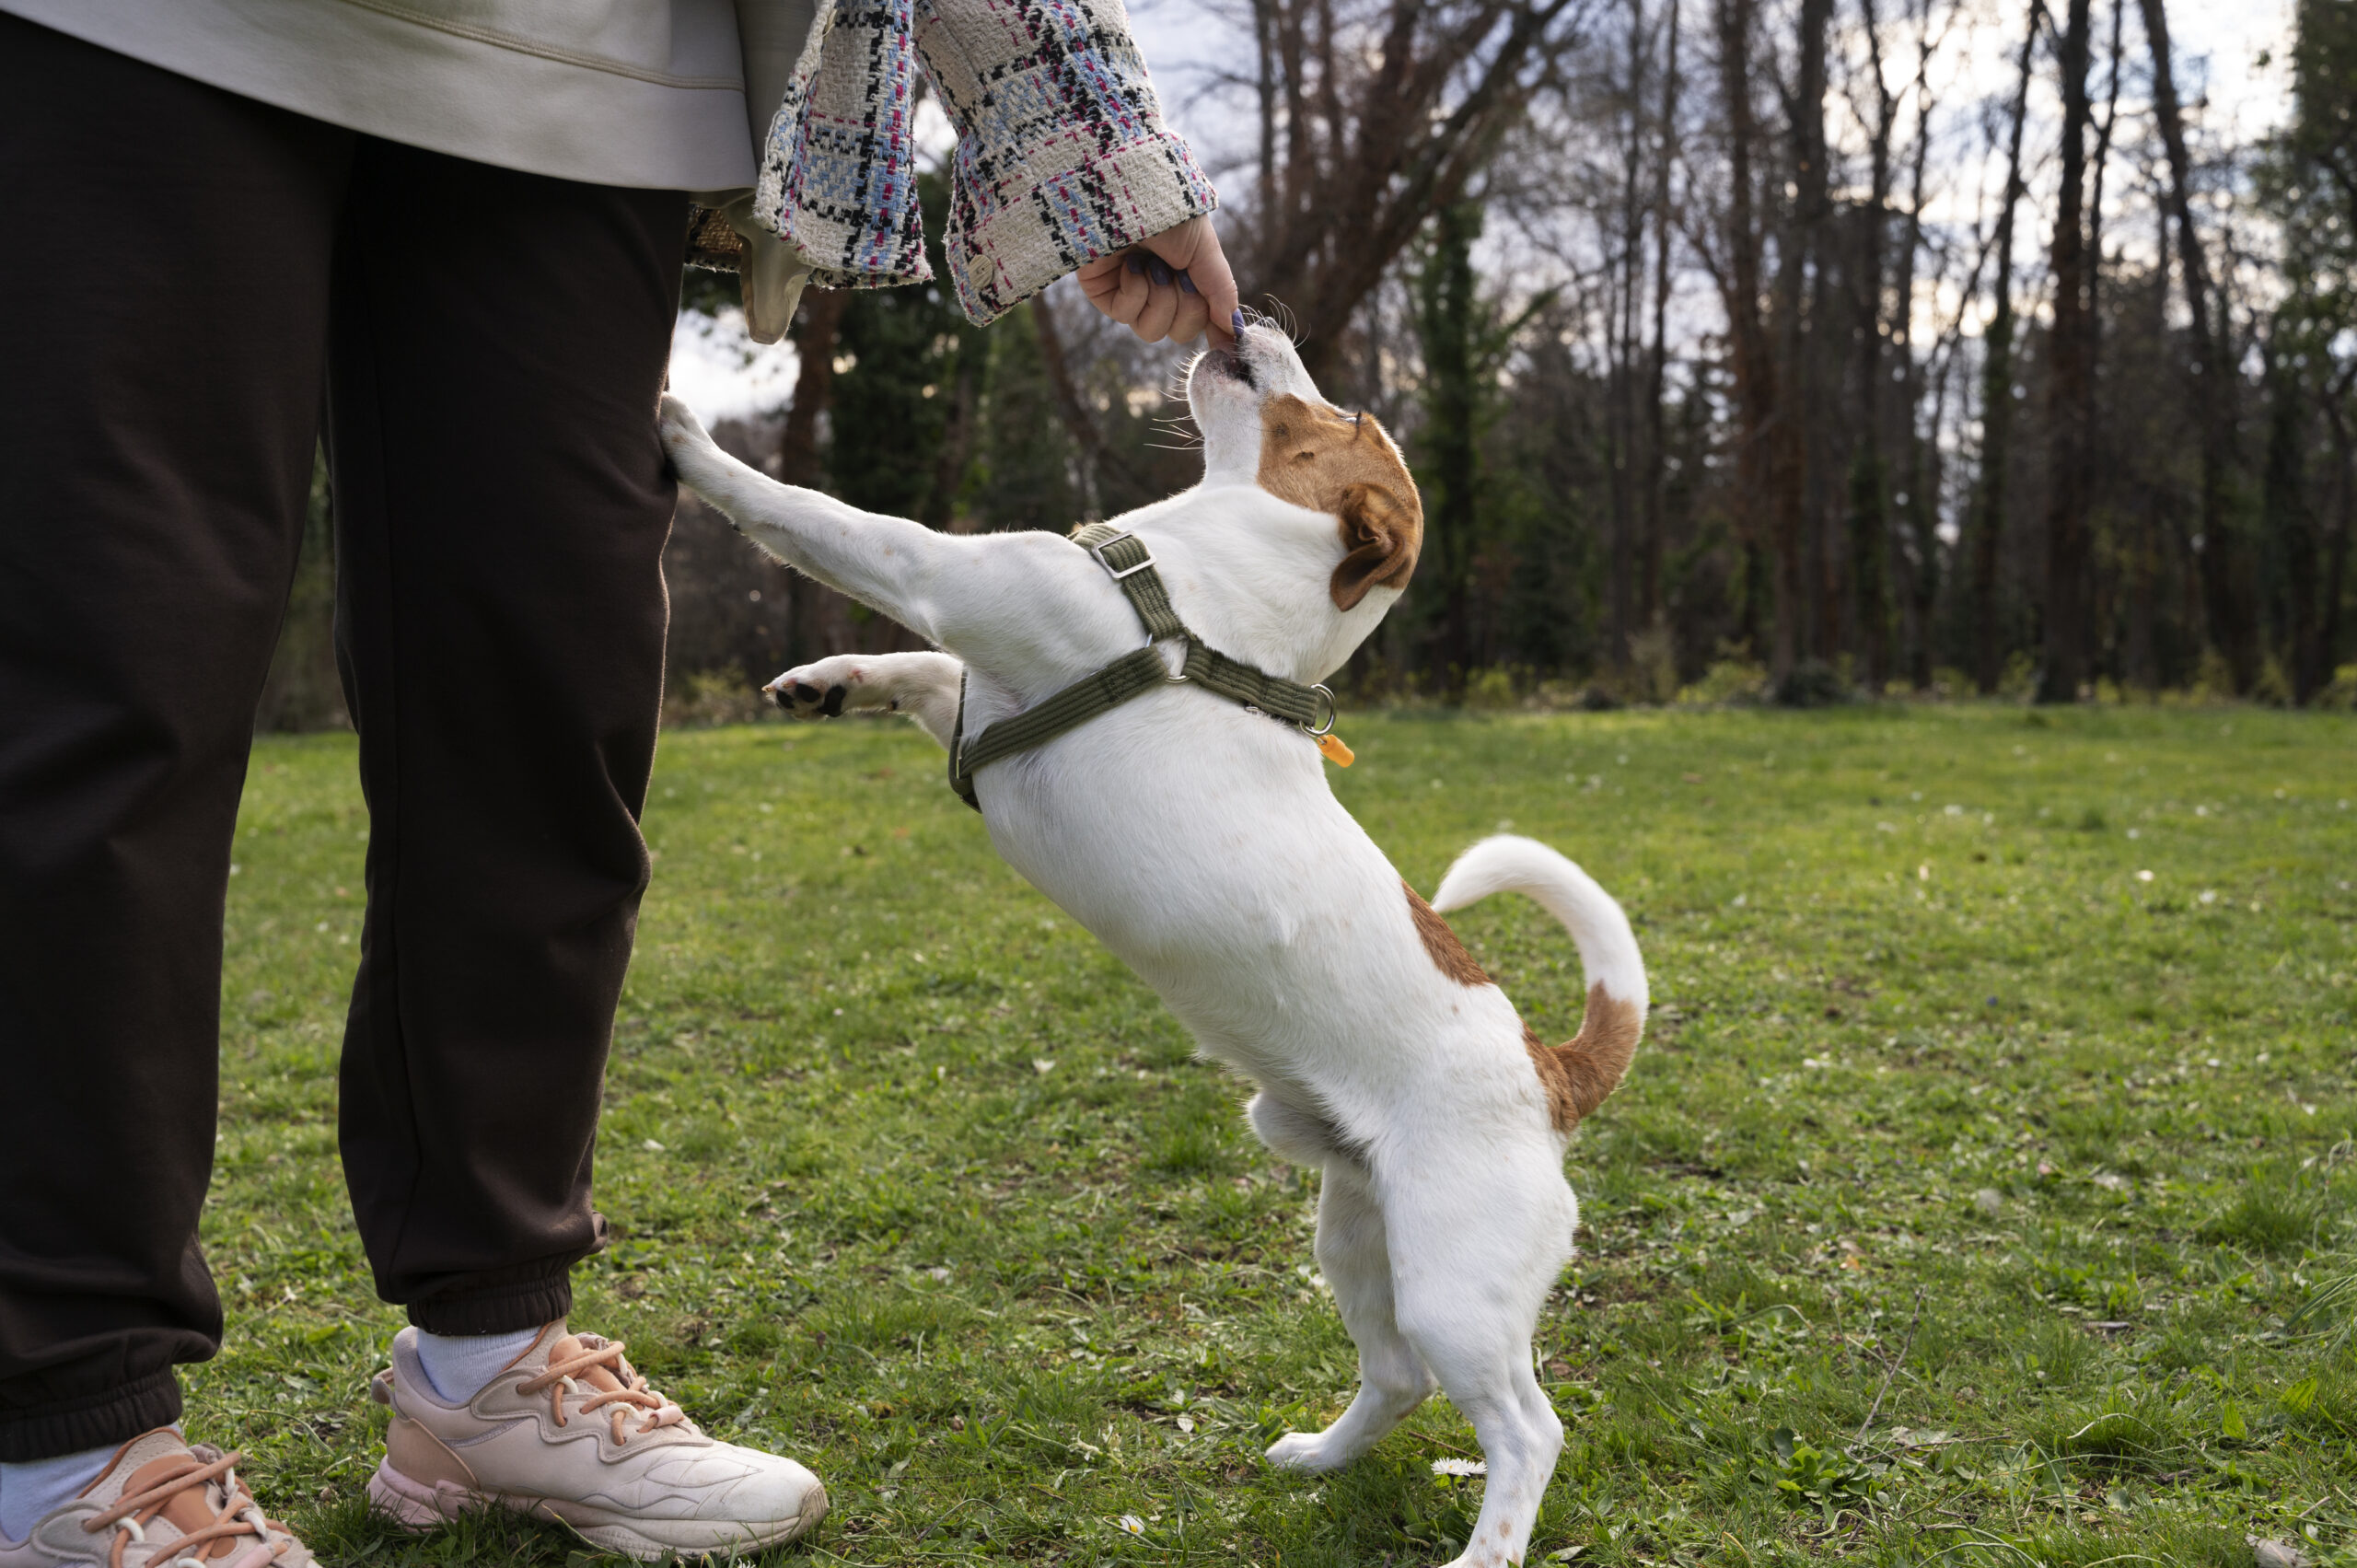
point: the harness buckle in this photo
(1118, 572)
(1331, 711)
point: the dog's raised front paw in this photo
(677, 423)
(819, 690)
(1306, 1451)
(686, 442)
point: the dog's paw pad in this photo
(816, 690)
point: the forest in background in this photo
(1744, 349)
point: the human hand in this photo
(1175, 286)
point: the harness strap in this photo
(1125, 556)
(1131, 675)
(1273, 695)
(1127, 560)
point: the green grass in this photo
(1947, 1117)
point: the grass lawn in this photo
(1992, 1131)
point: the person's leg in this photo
(163, 310)
(497, 349)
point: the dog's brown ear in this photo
(1381, 535)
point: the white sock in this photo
(459, 1364)
(29, 1490)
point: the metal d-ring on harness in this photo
(1126, 559)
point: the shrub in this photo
(1728, 680)
(1812, 684)
(1490, 688)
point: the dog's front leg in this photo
(924, 686)
(887, 564)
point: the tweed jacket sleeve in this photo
(1062, 153)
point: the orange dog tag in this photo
(1336, 753)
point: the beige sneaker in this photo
(159, 1502)
(569, 1432)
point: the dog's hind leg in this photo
(1351, 1254)
(1357, 1265)
(1477, 1237)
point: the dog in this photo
(1198, 839)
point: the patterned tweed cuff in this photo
(1062, 154)
(1103, 203)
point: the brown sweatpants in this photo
(190, 282)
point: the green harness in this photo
(1125, 557)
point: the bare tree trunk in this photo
(2071, 376)
(1264, 34)
(1620, 349)
(1795, 541)
(1988, 520)
(1919, 505)
(1869, 526)
(2336, 572)
(1759, 426)
(2142, 658)
(2283, 508)
(814, 625)
(798, 459)
(2091, 415)
(2232, 621)
(1658, 360)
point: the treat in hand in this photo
(1176, 285)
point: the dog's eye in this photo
(1305, 456)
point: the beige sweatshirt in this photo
(647, 93)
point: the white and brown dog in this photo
(1198, 839)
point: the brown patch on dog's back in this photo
(1579, 1074)
(1331, 461)
(1448, 955)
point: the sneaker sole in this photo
(417, 1505)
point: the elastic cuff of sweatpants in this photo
(99, 1420)
(505, 1300)
(502, 1311)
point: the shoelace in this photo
(239, 1515)
(558, 1379)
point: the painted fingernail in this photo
(1137, 262)
(1159, 268)
(1187, 284)
(1236, 322)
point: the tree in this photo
(2310, 185)
(1767, 440)
(1986, 524)
(1869, 527)
(1448, 324)
(1371, 122)
(2070, 376)
(1658, 359)
(2211, 387)
(1799, 304)
(1025, 471)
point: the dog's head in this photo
(1264, 423)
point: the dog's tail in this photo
(1583, 1070)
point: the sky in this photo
(722, 375)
